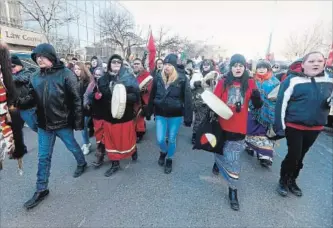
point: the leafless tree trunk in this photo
(118, 27)
(47, 14)
(165, 42)
(316, 38)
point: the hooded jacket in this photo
(132, 89)
(99, 64)
(303, 100)
(55, 92)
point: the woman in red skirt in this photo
(119, 134)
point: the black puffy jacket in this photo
(56, 94)
(173, 101)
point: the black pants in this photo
(17, 128)
(299, 142)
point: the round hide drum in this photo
(145, 82)
(118, 102)
(215, 104)
(274, 93)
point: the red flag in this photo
(152, 52)
(329, 61)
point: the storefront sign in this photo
(20, 37)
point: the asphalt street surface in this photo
(141, 195)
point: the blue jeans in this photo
(30, 118)
(85, 133)
(46, 140)
(170, 126)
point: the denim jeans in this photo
(30, 118)
(170, 126)
(46, 140)
(85, 133)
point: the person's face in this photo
(237, 69)
(275, 68)
(16, 68)
(206, 66)
(43, 62)
(77, 71)
(159, 65)
(94, 63)
(262, 70)
(314, 64)
(168, 68)
(115, 65)
(137, 66)
(74, 61)
(98, 74)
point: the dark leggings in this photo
(299, 142)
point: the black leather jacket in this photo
(56, 94)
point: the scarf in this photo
(263, 77)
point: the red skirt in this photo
(119, 140)
(140, 125)
(99, 130)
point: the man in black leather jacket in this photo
(55, 92)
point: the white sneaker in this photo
(86, 148)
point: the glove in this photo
(255, 98)
(187, 124)
(197, 84)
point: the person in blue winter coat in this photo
(301, 111)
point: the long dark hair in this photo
(5, 64)
(244, 81)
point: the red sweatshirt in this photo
(238, 122)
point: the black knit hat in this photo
(171, 59)
(264, 64)
(237, 58)
(16, 60)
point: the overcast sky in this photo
(239, 26)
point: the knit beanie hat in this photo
(237, 58)
(264, 64)
(171, 59)
(16, 60)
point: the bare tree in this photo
(118, 27)
(165, 42)
(316, 38)
(65, 45)
(47, 14)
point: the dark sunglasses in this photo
(116, 61)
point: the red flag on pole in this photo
(152, 52)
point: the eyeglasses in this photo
(136, 64)
(116, 61)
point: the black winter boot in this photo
(282, 188)
(80, 170)
(135, 155)
(233, 199)
(161, 159)
(36, 199)
(168, 166)
(100, 153)
(249, 151)
(193, 138)
(294, 188)
(114, 168)
(215, 169)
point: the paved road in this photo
(141, 195)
